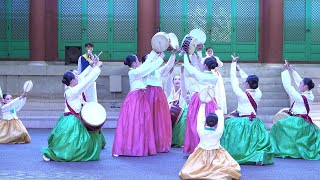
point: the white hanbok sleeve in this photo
(167, 67)
(243, 74)
(292, 92)
(234, 80)
(201, 119)
(17, 104)
(183, 85)
(220, 127)
(193, 72)
(169, 85)
(220, 63)
(85, 72)
(297, 78)
(196, 61)
(84, 84)
(152, 56)
(145, 69)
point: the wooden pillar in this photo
(51, 30)
(271, 31)
(37, 30)
(146, 24)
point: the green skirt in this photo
(71, 141)
(247, 141)
(293, 137)
(179, 129)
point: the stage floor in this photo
(24, 161)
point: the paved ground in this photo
(25, 162)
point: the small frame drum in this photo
(199, 34)
(28, 85)
(206, 94)
(93, 115)
(173, 42)
(160, 42)
(176, 112)
(189, 44)
(283, 113)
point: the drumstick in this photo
(100, 53)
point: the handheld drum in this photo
(200, 35)
(283, 113)
(28, 85)
(175, 112)
(173, 42)
(160, 42)
(93, 115)
(206, 94)
(189, 44)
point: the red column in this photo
(271, 31)
(37, 30)
(146, 25)
(51, 30)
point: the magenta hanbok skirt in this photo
(134, 134)
(161, 117)
(191, 138)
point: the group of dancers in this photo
(215, 145)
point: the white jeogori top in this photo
(204, 79)
(136, 76)
(155, 77)
(244, 105)
(73, 94)
(299, 107)
(173, 95)
(209, 138)
(9, 111)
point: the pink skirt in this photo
(134, 134)
(191, 138)
(161, 117)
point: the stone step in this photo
(262, 81)
(50, 121)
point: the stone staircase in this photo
(41, 112)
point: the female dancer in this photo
(135, 134)
(204, 79)
(12, 129)
(296, 136)
(220, 93)
(246, 137)
(70, 140)
(210, 160)
(159, 108)
(176, 91)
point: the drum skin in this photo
(173, 42)
(283, 113)
(160, 42)
(28, 85)
(93, 115)
(199, 34)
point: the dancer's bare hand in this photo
(234, 58)
(99, 64)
